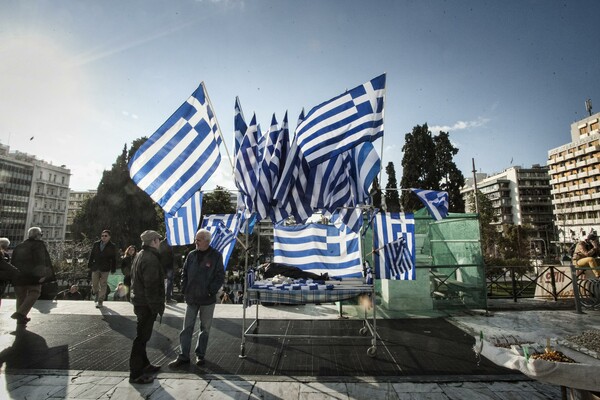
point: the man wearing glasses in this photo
(102, 262)
(148, 299)
(202, 277)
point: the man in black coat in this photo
(32, 260)
(148, 299)
(102, 262)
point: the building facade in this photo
(76, 200)
(519, 196)
(32, 193)
(575, 180)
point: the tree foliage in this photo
(119, 205)
(376, 193)
(392, 199)
(428, 164)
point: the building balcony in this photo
(592, 149)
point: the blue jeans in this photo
(189, 321)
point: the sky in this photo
(79, 80)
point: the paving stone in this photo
(180, 389)
(37, 392)
(465, 393)
(371, 390)
(277, 390)
(410, 387)
(422, 396)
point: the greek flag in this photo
(436, 202)
(239, 125)
(247, 166)
(181, 155)
(182, 226)
(395, 258)
(221, 237)
(319, 249)
(230, 221)
(276, 148)
(343, 122)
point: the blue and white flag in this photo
(178, 159)
(247, 166)
(436, 202)
(389, 228)
(221, 237)
(231, 222)
(183, 225)
(343, 122)
(319, 249)
(239, 125)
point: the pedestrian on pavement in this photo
(586, 251)
(126, 262)
(202, 277)
(32, 260)
(73, 293)
(4, 243)
(102, 262)
(167, 260)
(148, 299)
(7, 271)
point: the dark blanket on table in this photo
(269, 270)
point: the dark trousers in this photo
(138, 359)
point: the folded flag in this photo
(319, 249)
(178, 159)
(213, 224)
(436, 202)
(182, 226)
(221, 237)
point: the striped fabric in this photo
(343, 122)
(182, 226)
(392, 261)
(239, 125)
(247, 166)
(180, 156)
(221, 237)
(231, 222)
(435, 202)
(319, 249)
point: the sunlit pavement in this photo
(195, 383)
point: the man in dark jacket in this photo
(33, 262)
(202, 277)
(102, 262)
(148, 299)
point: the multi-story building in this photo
(575, 179)
(33, 192)
(76, 200)
(519, 196)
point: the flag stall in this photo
(327, 167)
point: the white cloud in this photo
(459, 125)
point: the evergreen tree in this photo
(428, 164)
(418, 166)
(392, 199)
(120, 206)
(489, 235)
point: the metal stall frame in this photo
(344, 292)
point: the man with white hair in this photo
(33, 262)
(202, 277)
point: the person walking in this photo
(126, 262)
(102, 262)
(148, 299)
(32, 260)
(202, 277)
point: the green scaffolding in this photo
(449, 267)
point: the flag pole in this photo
(217, 121)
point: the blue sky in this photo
(505, 78)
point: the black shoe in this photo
(200, 361)
(178, 363)
(151, 369)
(142, 379)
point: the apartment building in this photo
(76, 200)
(575, 180)
(519, 196)
(33, 192)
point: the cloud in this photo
(459, 125)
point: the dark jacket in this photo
(202, 277)
(33, 262)
(166, 255)
(148, 280)
(105, 260)
(7, 274)
(126, 265)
